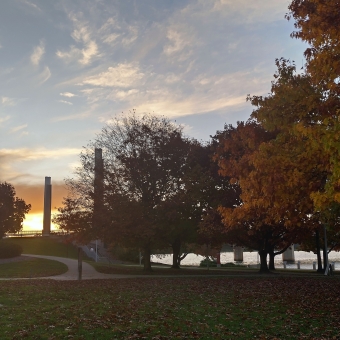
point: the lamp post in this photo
(96, 258)
(325, 254)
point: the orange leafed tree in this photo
(317, 22)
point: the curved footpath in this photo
(88, 272)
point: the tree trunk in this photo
(271, 260)
(263, 261)
(181, 257)
(147, 259)
(176, 249)
(318, 251)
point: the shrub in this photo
(8, 250)
(207, 262)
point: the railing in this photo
(24, 233)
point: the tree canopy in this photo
(12, 210)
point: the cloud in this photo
(25, 154)
(111, 38)
(131, 36)
(123, 75)
(44, 75)
(32, 5)
(71, 117)
(176, 42)
(18, 165)
(18, 128)
(37, 54)
(65, 102)
(6, 101)
(81, 35)
(4, 119)
(24, 165)
(67, 94)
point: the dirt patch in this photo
(15, 259)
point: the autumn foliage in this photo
(269, 182)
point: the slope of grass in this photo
(50, 246)
(32, 268)
(171, 308)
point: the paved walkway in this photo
(88, 272)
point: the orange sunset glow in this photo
(34, 195)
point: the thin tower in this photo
(47, 207)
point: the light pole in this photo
(325, 250)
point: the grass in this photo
(32, 268)
(46, 246)
(172, 308)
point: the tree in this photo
(12, 210)
(317, 22)
(247, 224)
(144, 159)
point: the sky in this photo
(68, 67)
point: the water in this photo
(251, 258)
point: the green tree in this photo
(12, 210)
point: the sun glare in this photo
(35, 222)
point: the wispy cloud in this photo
(176, 42)
(76, 116)
(65, 102)
(44, 75)
(25, 154)
(4, 119)
(18, 128)
(38, 53)
(7, 101)
(82, 36)
(31, 4)
(122, 75)
(67, 94)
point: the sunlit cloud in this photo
(67, 94)
(25, 154)
(37, 54)
(122, 75)
(81, 35)
(21, 164)
(65, 102)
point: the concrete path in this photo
(88, 272)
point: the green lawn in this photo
(172, 308)
(45, 246)
(32, 268)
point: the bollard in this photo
(298, 264)
(333, 266)
(80, 263)
(285, 264)
(314, 265)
